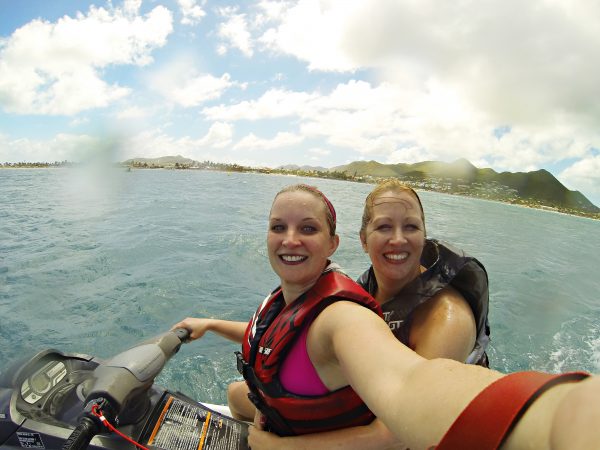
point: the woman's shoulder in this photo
(448, 303)
(443, 327)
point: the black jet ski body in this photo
(43, 399)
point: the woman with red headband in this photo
(291, 379)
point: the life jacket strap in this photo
(490, 417)
(275, 423)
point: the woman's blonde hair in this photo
(394, 185)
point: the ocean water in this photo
(95, 260)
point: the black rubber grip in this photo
(82, 435)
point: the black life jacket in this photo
(446, 266)
(268, 339)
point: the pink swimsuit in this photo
(298, 375)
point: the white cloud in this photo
(156, 143)
(133, 112)
(271, 10)
(354, 115)
(533, 66)
(312, 31)
(199, 89)
(319, 151)
(55, 68)
(181, 83)
(272, 104)
(192, 13)
(219, 136)
(318, 155)
(111, 148)
(584, 176)
(410, 155)
(132, 7)
(234, 32)
(62, 147)
(77, 121)
(281, 140)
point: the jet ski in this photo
(55, 400)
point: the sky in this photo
(506, 84)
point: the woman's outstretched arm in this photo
(232, 330)
(576, 421)
(418, 399)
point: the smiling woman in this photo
(298, 240)
(291, 376)
(434, 297)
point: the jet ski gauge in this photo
(35, 386)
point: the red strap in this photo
(489, 418)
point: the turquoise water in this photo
(93, 261)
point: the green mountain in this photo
(461, 176)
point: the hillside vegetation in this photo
(539, 187)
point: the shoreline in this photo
(545, 208)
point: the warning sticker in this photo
(190, 426)
(30, 440)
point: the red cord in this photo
(108, 425)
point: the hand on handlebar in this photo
(229, 329)
(196, 326)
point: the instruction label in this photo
(190, 426)
(30, 440)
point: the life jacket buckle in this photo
(242, 365)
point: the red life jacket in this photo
(268, 339)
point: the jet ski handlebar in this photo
(119, 385)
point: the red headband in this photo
(325, 199)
